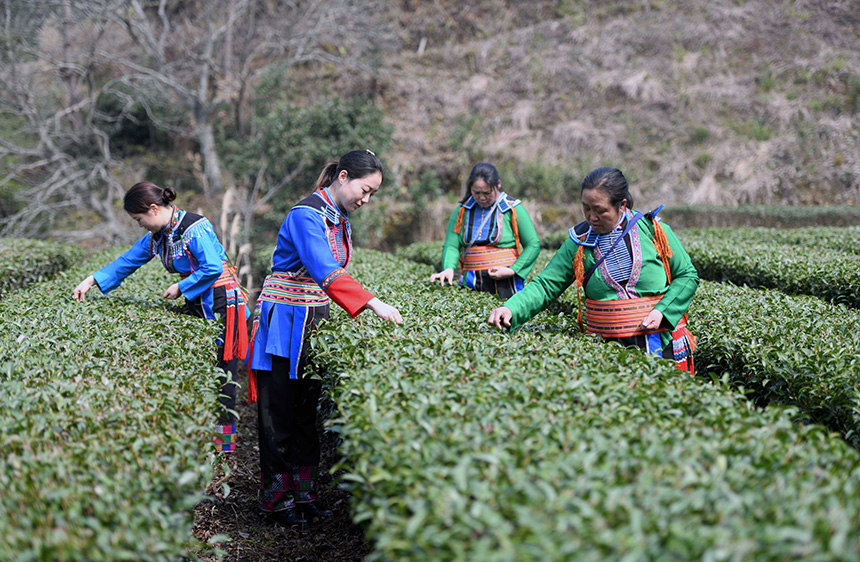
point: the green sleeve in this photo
(545, 288)
(685, 280)
(451, 246)
(529, 241)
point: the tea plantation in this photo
(108, 408)
(459, 442)
(467, 444)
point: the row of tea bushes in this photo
(774, 216)
(844, 239)
(464, 443)
(777, 346)
(24, 261)
(794, 350)
(107, 418)
(832, 275)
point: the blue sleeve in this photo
(208, 252)
(307, 232)
(112, 275)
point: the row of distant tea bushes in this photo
(845, 239)
(106, 425)
(24, 261)
(464, 443)
(830, 274)
(792, 349)
(774, 216)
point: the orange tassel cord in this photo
(579, 277)
(661, 244)
(516, 230)
(459, 226)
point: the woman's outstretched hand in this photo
(385, 311)
(80, 292)
(652, 321)
(172, 292)
(500, 318)
(442, 276)
(500, 272)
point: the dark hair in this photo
(145, 193)
(482, 171)
(612, 182)
(358, 164)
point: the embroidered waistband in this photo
(479, 258)
(619, 318)
(228, 276)
(286, 288)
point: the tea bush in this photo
(107, 418)
(832, 275)
(24, 261)
(468, 444)
(793, 350)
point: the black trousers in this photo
(505, 288)
(287, 418)
(289, 443)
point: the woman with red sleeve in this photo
(308, 269)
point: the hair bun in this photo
(169, 194)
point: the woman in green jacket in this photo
(490, 237)
(637, 278)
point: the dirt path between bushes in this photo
(253, 537)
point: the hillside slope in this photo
(700, 101)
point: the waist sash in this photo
(619, 318)
(295, 290)
(228, 276)
(479, 258)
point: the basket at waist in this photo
(479, 258)
(287, 288)
(619, 318)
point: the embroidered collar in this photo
(167, 231)
(591, 237)
(504, 202)
(332, 210)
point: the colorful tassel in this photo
(516, 230)
(661, 244)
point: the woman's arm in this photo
(452, 245)
(112, 275)
(685, 281)
(307, 232)
(545, 288)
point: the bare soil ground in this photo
(254, 538)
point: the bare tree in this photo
(197, 55)
(54, 144)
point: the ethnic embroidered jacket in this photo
(308, 267)
(637, 260)
(187, 245)
(497, 231)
